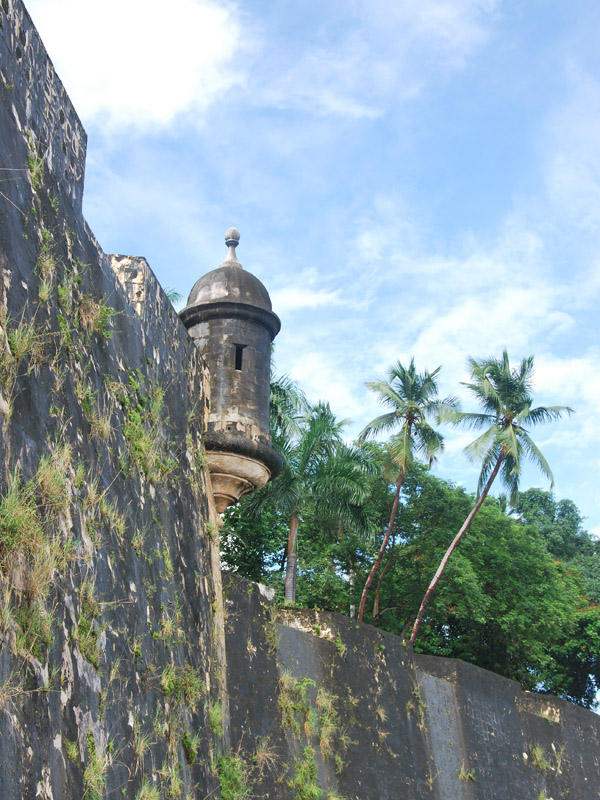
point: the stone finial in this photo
(232, 239)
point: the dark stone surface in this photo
(135, 523)
(239, 397)
(34, 98)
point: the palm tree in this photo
(412, 399)
(318, 469)
(287, 408)
(505, 395)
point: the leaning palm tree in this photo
(505, 395)
(412, 399)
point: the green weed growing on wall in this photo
(215, 718)
(182, 684)
(328, 721)
(144, 412)
(95, 317)
(296, 710)
(191, 745)
(20, 524)
(32, 549)
(51, 478)
(25, 344)
(35, 163)
(87, 631)
(94, 776)
(306, 777)
(233, 777)
(148, 791)
(47, 261)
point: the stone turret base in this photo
(232, 476)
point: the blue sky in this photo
(409, 179)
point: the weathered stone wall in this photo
(380, 722)
(34, 102)
(116, 678)
(109, 611)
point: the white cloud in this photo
(333, 182)
(379, 54)
(324, 82)
(170, 214)
(477, 295)
(294, 298)
(573, 153)
(453, 29)
(577, 377)
(140, 62)
(322, 379)
(574, 382)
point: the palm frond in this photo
(525, 374)
(387, 394)
(511, 474)
(536, 455)
(401, 447)
(505, 393)
(321, 433)
(489, 461)
(428, 442)
(509, 439)
(472, 420)
(478, 449)
(537, 416)
(382, 423)
(287, 404)
(450, 403)
(412, 398)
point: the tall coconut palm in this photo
(505, 395)
(412, 399)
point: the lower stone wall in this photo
(344, 710)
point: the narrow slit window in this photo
(239, 355)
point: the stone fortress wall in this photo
(126, 669)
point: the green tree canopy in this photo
(506, 604)
(561, 526)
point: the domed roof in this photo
(230, 283)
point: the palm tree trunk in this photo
(292, 556)
(382, 575)
(386, 538)
(453, 546)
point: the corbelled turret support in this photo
(230, 318)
